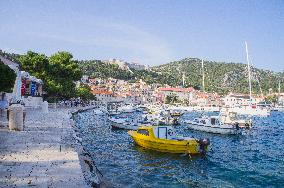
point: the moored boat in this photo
(123, 123)
(126, 126)
(164, 139)
(98, 112)
(212, 124)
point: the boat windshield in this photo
(213, 121)
(143, 131)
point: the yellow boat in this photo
(164, 139)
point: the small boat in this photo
(278, 109)
(126, 109)
(98, 112)
(206, 108)
(164, 139)
(212, 124)
(113, 112)
(126, 126)
(123, 123)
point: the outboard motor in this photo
(247, 125)
(237, 126)
(203, 145)
(175, 121)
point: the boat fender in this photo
(247, 125)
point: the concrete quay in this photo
(45, 154)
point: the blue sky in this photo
(150, 32)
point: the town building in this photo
(137, 66)
(121, 63)
(184, 95)
(234, 100)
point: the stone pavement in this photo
(43, 155)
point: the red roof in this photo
(105, 92)
(176, 89)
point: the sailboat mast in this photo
(183, 79)
(203, 84)
(279, 87)
(248, 70)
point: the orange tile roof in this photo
(105, 92)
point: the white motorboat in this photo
(123, 123)
(126, 109)
(126, 126)
(212, 124)
(206, 108)
(98, 112)
(278, 109)
(113, 112)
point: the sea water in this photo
(253, 159)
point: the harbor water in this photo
(253, 159)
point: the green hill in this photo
(219, 76)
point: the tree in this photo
(7, 77)
(84, 92)
(36, 64)
(172, 98)
(58, 72)
(272, 98)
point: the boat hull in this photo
(164, 145)
(211, 129)
(123, 126)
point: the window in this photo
(213, 121)
(143, 131)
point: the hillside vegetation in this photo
(219, 76)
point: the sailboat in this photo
(251, 109)
(206, 107)
(279, 106)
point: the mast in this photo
(183, 79)
(279, 87)
(203, 85)
(248, 70)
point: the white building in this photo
(234, 100)
(183, 94)
(137, 66)
(121, 63)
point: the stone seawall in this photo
(92, 175)
(45, 154)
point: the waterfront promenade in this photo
(43, 155)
